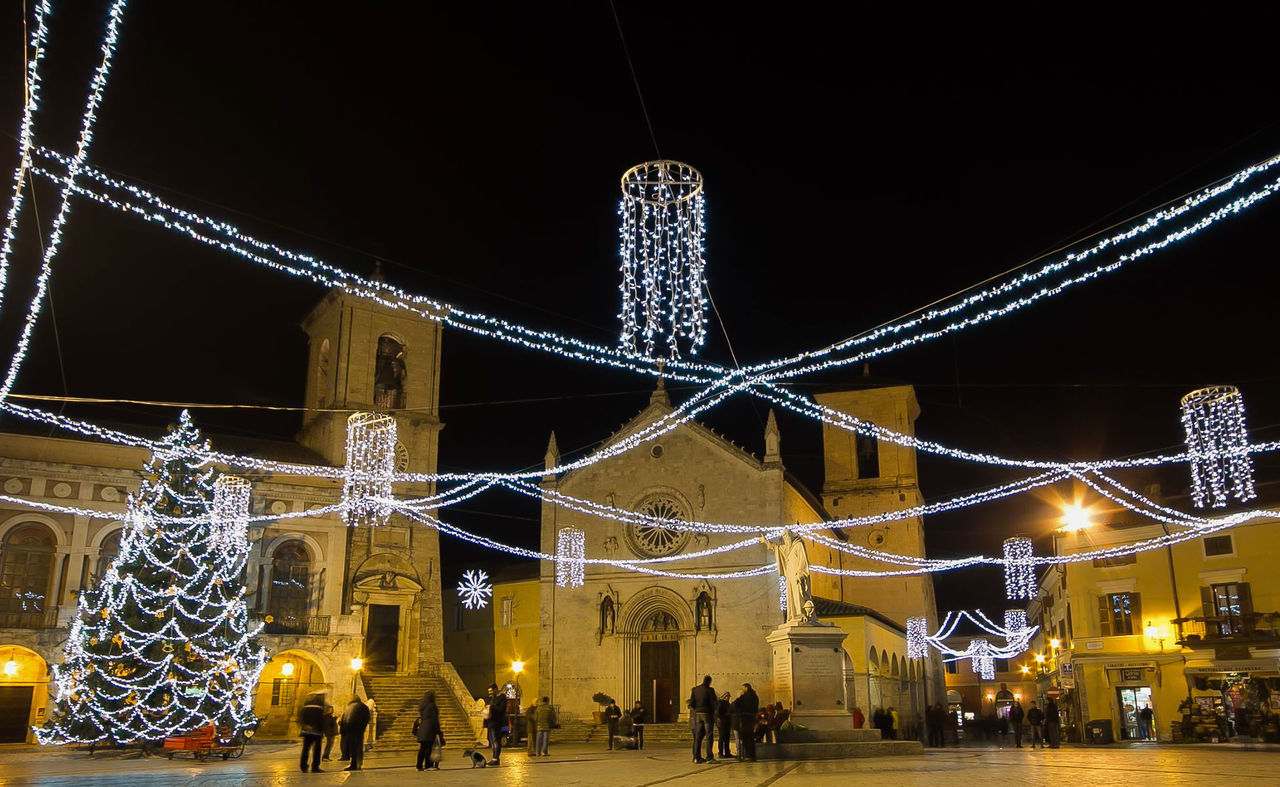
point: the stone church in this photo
(639, 637)
(327, 594)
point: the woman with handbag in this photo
(427, 730)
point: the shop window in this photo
(1117, 613)
(1218, 545)
(868, 456)
(1229, 607)
(1112, 562)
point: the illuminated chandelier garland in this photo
(1217, 442)
(981, 652)
(661, 240)
(371, 449)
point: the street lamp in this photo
(1153, 632)
(1075, 517)
(287, 669)
(10, 668)
(1055, 643)
(356, 664)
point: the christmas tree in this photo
(163, 645)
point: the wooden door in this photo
(15, 710)
(660, 679)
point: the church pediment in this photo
(387, 573)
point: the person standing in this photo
(1035, 717)
(429, 733)
(702, 703)
(1052, 723)
(531, 730)
(311, 722)
(1016, 715)
(611, 715)
(545, 717)
(638, 714)
(330, 730)
(894, 723)
(371, 729)
(877, 720)
(355, 721)
(1146, 722)
(744, 710)
(858, 718)
(495, 721)
(724, 722)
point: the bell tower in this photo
(364, 356)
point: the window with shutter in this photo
(1116, 613)
(1104, 615)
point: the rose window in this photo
(656, 540)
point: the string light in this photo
(981, 660)
(661, 242)
(1213, 418)
(1019, 568)
(571, 548)
(229, 514)
(1015, 621)
(782, 593)
(97, 85)
(917, 638)
(371, 449)
(474, 589)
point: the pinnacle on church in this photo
(552, 457)
(659, 395)
(772, 441)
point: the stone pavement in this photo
(670, 766)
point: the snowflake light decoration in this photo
(474, 589)
(1216, 441)
(661, 242)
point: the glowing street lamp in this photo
(356, 664)
(1075, 518)
(1055, 643)
(287, 669)
(10, 668)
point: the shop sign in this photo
(1131, 674)
(1093, 645)
(1242, 665)
(1067, 675)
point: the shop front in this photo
(1232, 700)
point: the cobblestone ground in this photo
(670, 766)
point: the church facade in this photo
(633, 636)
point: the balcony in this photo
(29, 619)
(1251, 628)
(305, 626)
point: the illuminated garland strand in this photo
(26, 138)
(96, 87)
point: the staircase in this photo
(398, 697)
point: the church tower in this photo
(367, 357)
(868, 476)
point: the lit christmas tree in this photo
(163, 646)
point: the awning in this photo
(1218, 666)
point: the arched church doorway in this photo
(24, 681)
(660, 665)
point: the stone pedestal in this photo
(808, 674)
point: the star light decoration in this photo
(474, 589)
(1019, 568)
(1217, 441)
(571, 550)
(371, 462)
(661, 242)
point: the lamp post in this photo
(356, 664)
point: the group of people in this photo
(887, 721)
(625, 730)
(716, 719)
(1046, 724)
(320, 725)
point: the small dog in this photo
(476, 757)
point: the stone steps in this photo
(397, 698)
(830, 750)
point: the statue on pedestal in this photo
(793, 564)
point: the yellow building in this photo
(499, 643)
(1191, 623)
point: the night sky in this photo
(857, 167)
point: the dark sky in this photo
(857, 167)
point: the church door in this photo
(660, 679)
(382, 638)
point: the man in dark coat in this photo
(702, 704)
(744, 710)
(428, 731)
(1035, 717)
(330, 730)
(1052, 723)
(611, 715)
(355, 720)
(724, 722)
(496, 722)
(311, 722)
(1015, 720)
(638, 714)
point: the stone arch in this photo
(30, 675)
(893, 672)
(281, 696)
(18, 520)
(884, 661)
(873, 660)
(652, 600)
(106, 531)
(317, 554)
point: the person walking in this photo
(1035, 717)
(611, 715)
(311, 723)
(638, 714)
(330, 729)
(702, 704)
(877, 720)
(531, 730)
(545, 717)
(495, 721)
(1052, 723)
(1146, 719)
(355, 720)
(429, 734)
(371, 729)
(1016, 715)
(894, 723)
(724, 723)
(859, 718)
(744, 710)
